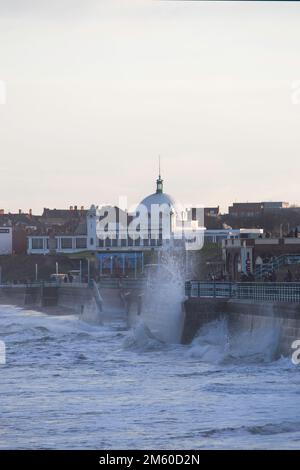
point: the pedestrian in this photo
(289, 276)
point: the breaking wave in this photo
(140, 338)
(215, 343)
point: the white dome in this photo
(159, 199)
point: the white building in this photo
(5, 240)
(110, 229)
(217, 235)
(158, 221)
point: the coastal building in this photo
(21, 225)
(60, 217)
(248, 255)
(218, 235)
(106, 228)
(116, 237)
(119, 240)
(6, 240)
(211, 211)
(255, 209)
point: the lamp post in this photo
(88, 266)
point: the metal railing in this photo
(257, 291)
(209, 289)
(274, 265)
(127, 283)
(45, 284)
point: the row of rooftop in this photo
(73, 220)
(244, 209)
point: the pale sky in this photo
(96, 90)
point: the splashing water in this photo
(90, 314)
(216, 343)
(140, 338)
(162, 301)
(211, 343)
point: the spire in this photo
(159, 181)
(159, 166)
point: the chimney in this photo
(20, 211)
(30, 213)
(82, 208)
(71, 208)
(75, 208)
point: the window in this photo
(66, 243)
(81, 243)
(91, 241)
(37, 243)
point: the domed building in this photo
(116, 238)
(156, 214)
(158, 198)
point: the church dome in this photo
(158, 198)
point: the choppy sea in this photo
(68, 384)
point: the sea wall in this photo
(123, 299)
(15, 295)
(76, 298)
(245, 316)
(198, 312)
(69, 299)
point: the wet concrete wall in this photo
(245, 316)
(71, 299)
(15, 295)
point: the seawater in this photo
(70, 384)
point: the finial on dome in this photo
(159, 181)
(159, 166)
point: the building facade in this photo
(244, 256)
(6, 241)
(111, 229)
(255, 209)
